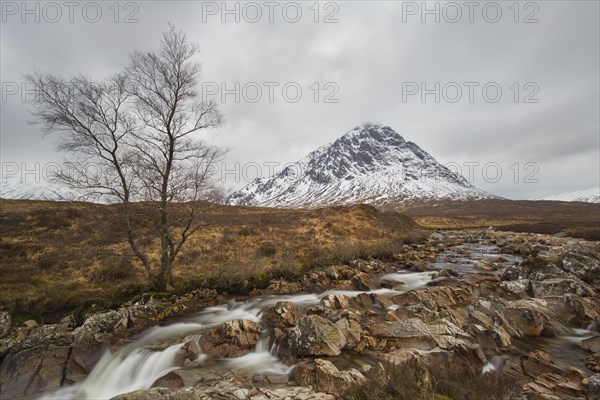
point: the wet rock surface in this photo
(522, 305)
(42, 358)
(230, 339)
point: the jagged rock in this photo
(481, 284)
(592, 384)
(5, 324)
(492, 339)
(37, 363)
(515, 289)
(591, 344)
(43, 356)
(5, 346)
(230, 339)
(363, 281)
(389, 283)
(583, 266)
(524, 318)
(91, 338)
(547, 272)
(538, 363)
(281, 286)
(593, 362)
(411, 332)
(368, 267)
(325, 377)
(316, 336)
(351, 331)
(577, 311)
(336, 301)
(554, 387)
(560, 287)
(399, 356)
(339, 272)
(190, 351)
(270, 378)
(485, 265)
(513, 273)
(228, 388)
(445, 273)
(284, 314)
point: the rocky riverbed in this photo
(521, 306)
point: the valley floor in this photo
(463, 314)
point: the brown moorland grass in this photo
(61, 258)
(576, 219)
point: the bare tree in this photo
(133, 137)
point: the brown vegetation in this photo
(72, 258)
(574, 218)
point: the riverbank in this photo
(428, 322)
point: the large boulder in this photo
(325, 377)
(583, 266)
(538, 363)
(339, 272)
(559, 287)
(230, 339)
(351, 330)
(335, 301)
(283, 315)
(364, 281)
(591, 344)
(411, 332)
(37, 363)
(576, 311)
(170, 380)
(515, 289)
(92, 338)
(435, 297)
(524, 319)
(593, 362)
(316, 336)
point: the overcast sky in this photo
(370, 57)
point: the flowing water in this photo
(152, 355)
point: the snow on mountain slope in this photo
(26, 190)
(591, 195)
(369, 164)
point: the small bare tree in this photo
(133, 137)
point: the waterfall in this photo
(138, 364)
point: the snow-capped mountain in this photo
(16, 188)
(591, 195)
(369, 164)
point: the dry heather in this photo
(72, 258)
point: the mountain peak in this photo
(374, 131)
(371, 163)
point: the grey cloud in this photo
(368, 54)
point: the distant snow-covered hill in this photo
(14, 188)
(369, 164)
(591, 195)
